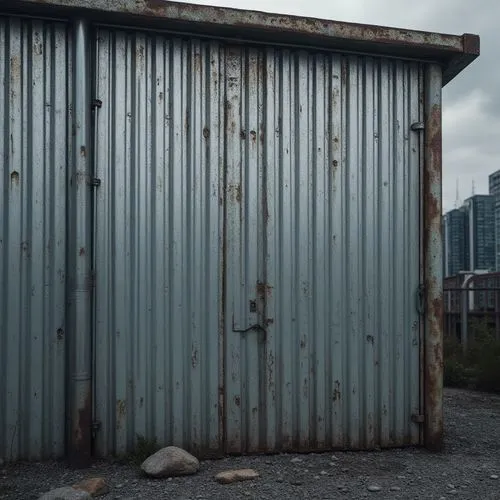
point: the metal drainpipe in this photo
(433, 251)
(80, 257)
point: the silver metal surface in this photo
(310, 161)
(35, 64)
(158, 241)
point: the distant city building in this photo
(456, 255)
(494, 184)
(480, 227)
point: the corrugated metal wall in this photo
(34, 107)
(159, 154)
(252, 186)
(324, 235)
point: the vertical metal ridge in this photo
(35, 123)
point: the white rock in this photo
(394, 488)
(374, 488)
(316, 477)
(66, 493)
(453, 492)
(451, 486)
(493, 476)
(296, 460)
(233, 476)
(324, 473)
(332, 464)
(170, 461)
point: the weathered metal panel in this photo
(158, 241)
(35, 61)
(323, 256)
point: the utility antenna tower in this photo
(457, 196)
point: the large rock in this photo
(66, 493)
(95, 486)
(232, 476)
(170, 461)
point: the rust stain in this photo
(81, 253)
(194, 356)
(253, 136)
(60, 334)
(264, 289)
(336, 391)
(237, 401)
(234, 192)
(265, 207)
(15, 69)
(370, 339)
(81, 436)
(121, 410)
(243, 135)
(14, 178)
(206, 132)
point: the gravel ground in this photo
(468, 468)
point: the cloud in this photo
(471, 102)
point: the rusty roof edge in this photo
(455, 52)
(471, 48)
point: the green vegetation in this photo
(479, 368)
(143, 449)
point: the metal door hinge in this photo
(96, 103)
(418, 419)
(421, 300)
(417, 126)
(94, 427)
(95, 182)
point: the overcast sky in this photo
(471, 101)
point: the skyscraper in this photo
(480, 226)
(456, 256)
(494, 182)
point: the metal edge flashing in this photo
(433, 279)
(454, 52)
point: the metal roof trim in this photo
(454, 52)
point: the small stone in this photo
(95, 486)
(451, 486)
(332, 464)
(296, 482)
(345, 469)
(394, 488)
(65, 493)
(170, 461)
(317, 477)
(334, 457)
(493, 476)
(296, 460)
(374, 488)
(269, 462)
(401, 477)
(279, 479)
(453, 492)
(324, 473)
(233, 476)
